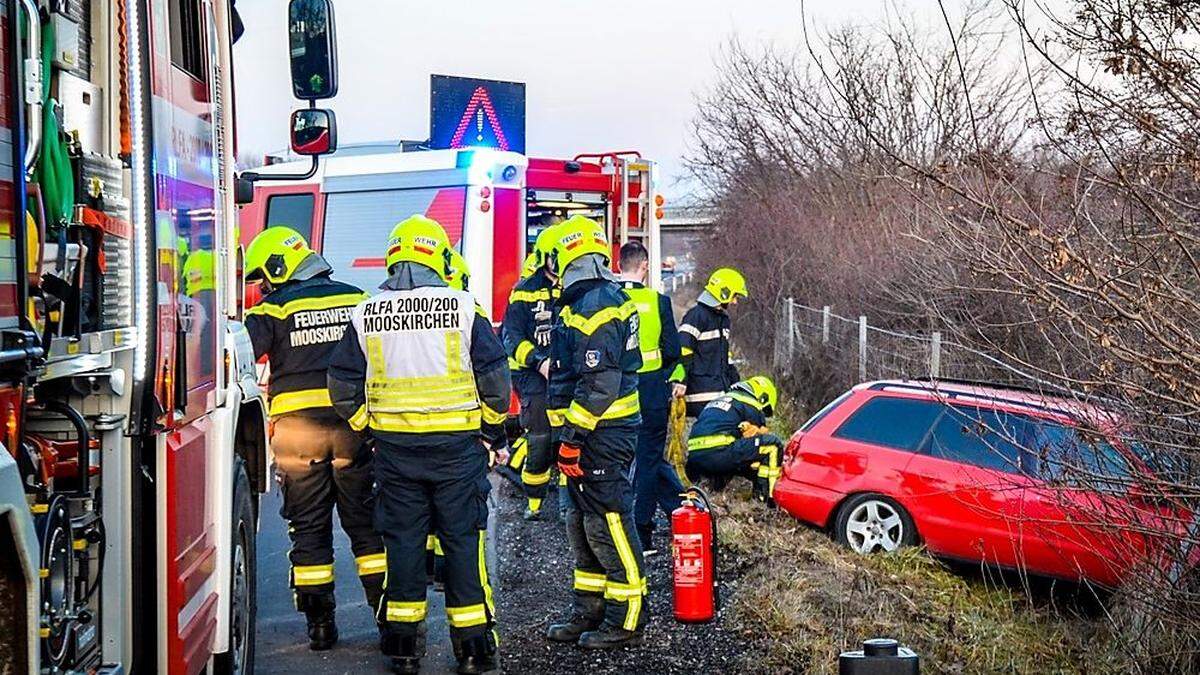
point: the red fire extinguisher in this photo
(694, 550)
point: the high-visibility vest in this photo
(418, 348)
(649, 326)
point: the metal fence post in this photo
(862, 348)
(791, 330)
(826, 315)
(935, 355)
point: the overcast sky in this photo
(600, 75)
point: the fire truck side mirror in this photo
(313, 49)
(314, 132)
(243, 191)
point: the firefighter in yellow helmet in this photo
(594, 408)
(421, 369)
(321, 461)
(526, 333)
(706, 371)
(730, 438)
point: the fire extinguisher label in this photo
(689, 559)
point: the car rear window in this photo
(983, 437)
(823, 412)
(892, 422)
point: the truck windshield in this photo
(357, 224)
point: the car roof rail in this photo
(930, 386)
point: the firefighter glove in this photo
(769, 440)
(568, 460)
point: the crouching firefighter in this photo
(422, 370)
(730, 438)
(320, 461)
(595, 357)
(526, 333)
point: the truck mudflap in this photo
(19, 642)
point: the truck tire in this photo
(869, 523)
(243, 602)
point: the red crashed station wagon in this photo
(977, 473)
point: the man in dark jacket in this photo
(593, 399)
(706, 370)
(421, 368)
(655, 483)
(730, 438)
(321, 462)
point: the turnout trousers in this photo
(535, 470)
(442, 490)
(655, 483)
(610, 582)
(322, 464)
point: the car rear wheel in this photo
(868, 523)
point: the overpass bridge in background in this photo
(682, 228)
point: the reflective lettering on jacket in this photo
(417, 344)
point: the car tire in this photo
(243, 604)
(870, 522)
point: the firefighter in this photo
(706, 370)
(422, 370)
(655, 483)
(526, 332)
(319, 460)
(730, 438)
(593, 375)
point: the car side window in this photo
(979, 436)
(1078, 457)
(294, 211)
(890, 421)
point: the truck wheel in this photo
(870, 522)
(243, 602)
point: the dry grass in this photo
(807, 600)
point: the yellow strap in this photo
(630, 564)
(590, 582)
(709, 442)
(625, 406)
(465, 617)
(291, 401)
(306, 304)
(406, 612)
(312, 575)
(520, 448)
(493, 416)
(358, 421)
(375, 563)
(557, 416)
(535, 479)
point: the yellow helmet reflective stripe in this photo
(460, 275)
(420, 240)
(576, 237)
(726, 283)
(763, 390)
(275, 254)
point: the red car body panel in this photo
(972, 513)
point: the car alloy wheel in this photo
(874, 525)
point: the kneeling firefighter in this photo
(730, 438)
(421, 368)
(320, 461)
(595, 357)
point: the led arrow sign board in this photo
(467, 112)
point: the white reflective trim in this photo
(709, 335)
(690, 330)
(700, 398)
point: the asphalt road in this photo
(282, 645)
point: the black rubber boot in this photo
(476, 655)
(319, 615)
(609, 636)
(570, 631)
(406, 651)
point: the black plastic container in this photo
(879, 656)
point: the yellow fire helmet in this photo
(763, 390)
(274, 255)
(529, 266)
(199, 272)
(725, 284)
(576, 237)
(460, 275)
(420, 240)
(543, 246)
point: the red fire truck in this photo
(134, 431)
(492, 203)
